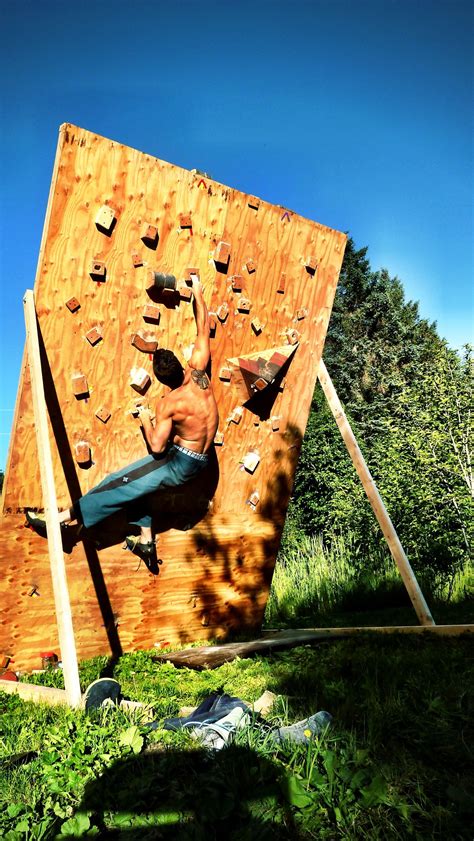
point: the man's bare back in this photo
(193, 412)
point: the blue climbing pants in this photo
(127, 488)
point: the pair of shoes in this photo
(104, 692)
(145, 551)
(37, 522)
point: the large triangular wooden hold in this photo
(255, 371)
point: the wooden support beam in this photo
(55, 547)
(32, 692)
(212, 656)
(378, 507)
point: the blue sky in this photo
(356, 114)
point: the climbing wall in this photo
(116, 217)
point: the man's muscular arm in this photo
(202, 349)
(156, 436)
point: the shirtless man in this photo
(185, 424)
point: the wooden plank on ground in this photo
(32, 692)
(212, 656)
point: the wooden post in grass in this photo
(55, 547)
(396, 548)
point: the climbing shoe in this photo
(104, 692)
(37, 522)
(145, 551)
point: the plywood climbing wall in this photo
(115, 216)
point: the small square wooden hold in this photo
(188, 273)
(105, 219)
(292, 336)
(149, 235)
(212, 326)
(236, 415)
(244, 305)
(253, 499)
(251, 460)
(222, 253)
(219, 439)
(254, 202)
(73, 304)
(97, 270)
(103, 414)
(139, 379)
(251, 265)
(223, 311)
(145, 342)
(185, 220)
(259, 384)
(225, 373)
(256, 326)
(82, 452)
(137, 259)
(301, 313)
(282, 283)
(80, 387)
(237, 282)
(151, 313)
(185, 291)
(275, 422)
(311, 264)
(94, 335)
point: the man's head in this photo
(167, 368)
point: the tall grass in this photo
(313, 581)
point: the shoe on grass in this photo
(104, 692)
(302, 732)
(145, 551)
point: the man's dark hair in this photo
(167, 368)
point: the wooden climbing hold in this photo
(311, 264)
(251, 461)
(222, 253)
(292, 336)
(80, 387)
(137, 259)
(259, 384)
(223, 311)
(149, 235)
(244, 305)
(185, 220)
(275, 421)
(105, 219)
(151, 313)
(97, 270)
(82, 452)
(253, 202)
(94, 335)
(225, 373)
(253, 500)
(139, 379)
(219, 439)
(237, 282)
(236, 415)
(212, 326)
(103, 414)
(189, 273)
(250, 265)
(256, 326)
(146, 342)
(185, 291)
(282, 283)
(73, 305)
(301, 313)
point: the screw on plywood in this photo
(149, 235)
(73, 305)
(98, 270)
(151, 313)
(94, 336)
(80, 387)
(237, 282)
(103, 414)
(105, 220)
(139, 379)
(144, 341)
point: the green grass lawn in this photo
(397, 762)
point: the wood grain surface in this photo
(218, 551)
